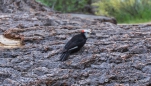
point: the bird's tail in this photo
(64, 56)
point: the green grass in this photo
(128, 11)
(65, 5)
(136, 21)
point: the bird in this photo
(75, 44)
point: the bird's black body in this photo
(74, 45)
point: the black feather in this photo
(74, 45)
(64, 56)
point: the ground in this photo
(114, 55)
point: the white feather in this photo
(87, 33)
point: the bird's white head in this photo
(86, 32)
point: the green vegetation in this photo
(66, 5)
(125, 11)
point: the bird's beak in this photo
(90, 31)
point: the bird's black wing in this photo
(75, 42)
